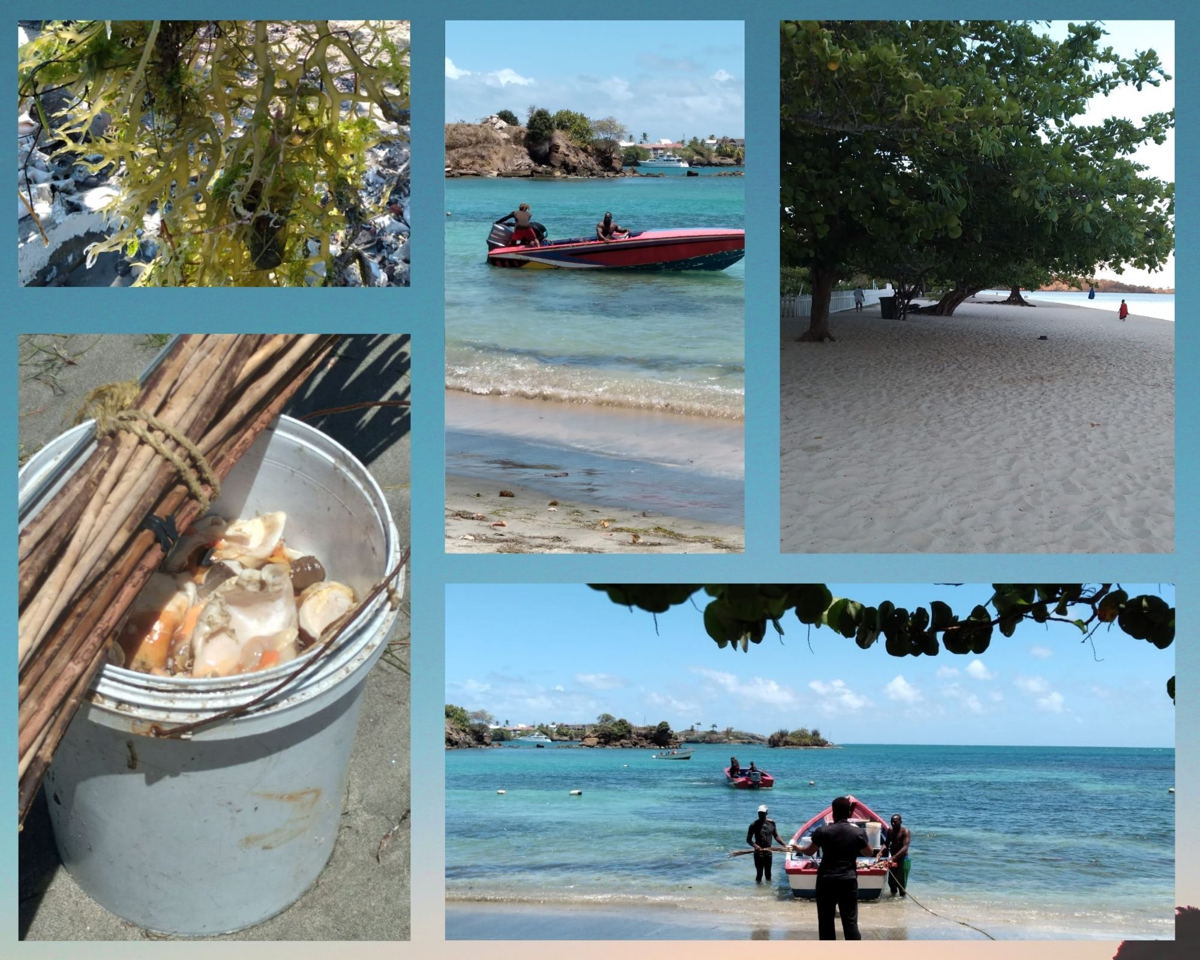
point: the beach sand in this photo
(480, 520)
(589, 479)
(970, 434)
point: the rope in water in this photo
(111, 406)
(908, 896)
(961, 923)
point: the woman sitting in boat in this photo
(524, 233)
(607, 230)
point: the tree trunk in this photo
(818, 321)
(950, 301)
(1015, 297)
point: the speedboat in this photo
(702, 248)
(801, 869)
(536, 737)
(664, 160)
(746, 779)
(676, 754)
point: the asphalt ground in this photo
(363, 893)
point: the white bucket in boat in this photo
(873, 828)
(221, 831)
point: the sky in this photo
(1128, 37)
(665, 79)
(539, 653)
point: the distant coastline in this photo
(1104, 286)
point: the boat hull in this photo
(743, 781)
(700, 249)
(801, 870)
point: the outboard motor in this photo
(501, 234)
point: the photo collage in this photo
(318, 639)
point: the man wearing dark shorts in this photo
(762, 831)
(841, 845)
(897, 851)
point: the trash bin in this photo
(887, 308)
(226, 829)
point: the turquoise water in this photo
(1020, 841)
(670, 342)
(1160, 305)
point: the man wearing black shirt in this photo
(841, 844)
(762, 831)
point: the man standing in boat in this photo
(760, 836)
(524, 233)
(897, 851)
(841, 844)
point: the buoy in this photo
(812, 783)
(577, 793)
(502, 792)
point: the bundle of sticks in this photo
(161, 453)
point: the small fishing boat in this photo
(701, 248)
(672, 755)
(801, 869)
(746, 779)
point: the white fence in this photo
(797, 308)
(795, 311)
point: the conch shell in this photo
(248, 623)
(251, 542)
(321, 604)
(156, 617)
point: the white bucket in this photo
(873, 828)
(221, 831)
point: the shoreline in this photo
(772, 915)
(1000, 429)
(479, 519)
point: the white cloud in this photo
(754, 690)
(506, 78)
(836, 696)
(1050, 701)
(903, 691)
(946, 672)
(678, 707)
(964, 698)
(978, 671)
(453, 72)
(1032, 685)
(722, 75)
(1042, 653)
(599, 681)
(618, 88)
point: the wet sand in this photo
(589, 479)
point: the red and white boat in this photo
(801, 869)
(749, 779)
(693, 249)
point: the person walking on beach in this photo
(607, 230)
(897, 851)
(1124, 311)
(841, 843)
(523, 233)
(762, 831)
(859, 299)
